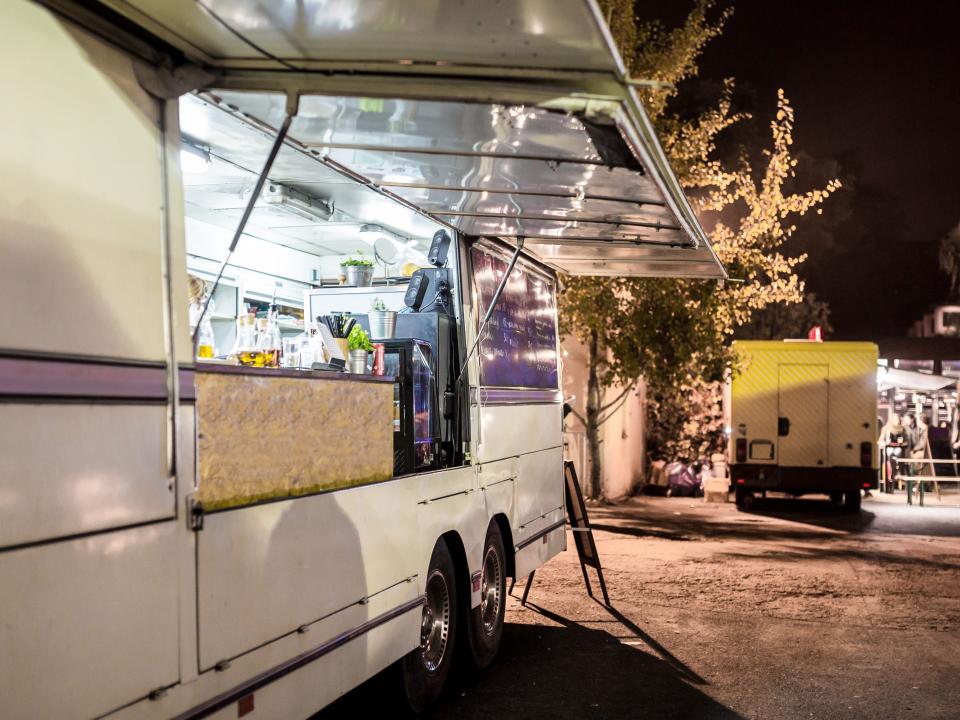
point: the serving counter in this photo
(272, 433)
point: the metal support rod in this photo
(558, 219)
(493, 304)
(292, 106)
(522, 192)
(321, 147)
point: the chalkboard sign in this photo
(939, 441)
(582, 534)
(519, 344)
(577, 513)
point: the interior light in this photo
(370, 233)
(297, 202)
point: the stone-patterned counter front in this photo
(263, 436)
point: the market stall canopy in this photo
(505, 119)
(889, 378)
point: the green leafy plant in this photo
(378, 305)
(358, 261)
(359, 340)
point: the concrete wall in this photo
(622, 436)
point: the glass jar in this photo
(245, 350)
(270, 341)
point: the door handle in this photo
(783, 426)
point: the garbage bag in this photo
(682, 479)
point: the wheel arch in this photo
(508, 548)
(460, 565)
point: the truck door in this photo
(802, 425)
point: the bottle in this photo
(245, 348)
(206, 343)
(205, 338)
(270, 341)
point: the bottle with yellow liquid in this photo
(245, 350)
(269, 339)
(206, 342)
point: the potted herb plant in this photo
(358, 271)
(383, 322)
(359, 344)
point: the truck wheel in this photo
(425, 669)
(485, 622)
(851, 501)
(836, 498)
(743, 499)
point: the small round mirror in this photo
(385, 250)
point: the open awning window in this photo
(552, 147)
(894, 378)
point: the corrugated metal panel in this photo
(552, 34)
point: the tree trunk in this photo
(594, 398)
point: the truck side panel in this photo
(80, 468)
(265, 570)
(90, 603)
(89, 624)
(81, 200)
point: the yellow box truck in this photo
(802, 418)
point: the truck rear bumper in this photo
(803, 479)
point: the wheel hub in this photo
(490, 592)
(435, 622)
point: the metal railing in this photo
(916, 484)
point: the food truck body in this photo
(187, 537)
(802, 418)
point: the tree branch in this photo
(578, 416)
(628, 388)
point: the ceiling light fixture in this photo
(370, 233)
(297, 202)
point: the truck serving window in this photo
(519, 344)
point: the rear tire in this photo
(425, 670)
(851, 501)
(485, 622)
(743, 498)
(837, 498)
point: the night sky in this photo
(876, 89)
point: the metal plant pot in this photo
(358, 275)
(358, 362)
(383, 324)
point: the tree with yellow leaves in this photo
(675, 333)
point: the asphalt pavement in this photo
(793, 610)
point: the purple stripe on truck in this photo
(51, 378)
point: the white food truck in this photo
(183, 536)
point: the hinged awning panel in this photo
(535, 34)
(553, 146)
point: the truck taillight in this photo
(741, 450)
(866, 454)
